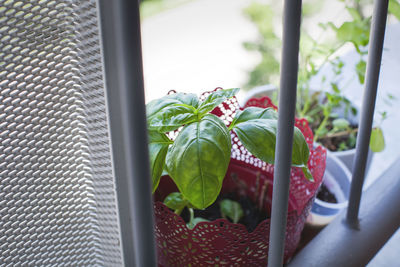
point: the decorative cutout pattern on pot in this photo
(220, 242)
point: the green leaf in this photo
(341, 124)
(335, 88)
(377, 141)
(301, 152)
(172, 117)
(251, 113)
(175, 201)
(394, 8)
(195, 221)
(198, 160)
(259, 137)
(352, 140)
(360, 70)
(355, 32)
(155, 106)
(158, 148)
(383, 115)
(343, 146)
(231, 209)
(307, 173)
(215, 98)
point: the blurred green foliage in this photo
(267, 45)
(314, 54)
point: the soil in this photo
(325, 195)
(251, 218)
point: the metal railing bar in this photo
(340, 245)
(120, 26)
(371, 85)
(284, 143)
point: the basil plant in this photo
(198, 158)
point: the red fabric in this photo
(221, 242)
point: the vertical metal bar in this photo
(120, 25)
(287, 102)
(368, 106)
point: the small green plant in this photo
(231, 209)
(197, 159)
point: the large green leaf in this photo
(377, 141)
(259, 137)
(215, 98)
(252, 113)
(356, 32)
(172, 117)
(155, 106)
(198, 160)
(158, 148)
(301, 153)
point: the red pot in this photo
(220, 242)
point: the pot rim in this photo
(344, 152)
(331, 205)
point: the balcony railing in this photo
(291, 34)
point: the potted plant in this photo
(338, 134)
(208, 147)
(321, 100)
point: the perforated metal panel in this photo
(57, 193)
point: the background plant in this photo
(315, 54)
(198, 158)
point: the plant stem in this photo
(307, 103)
(191, 211)
(340, 134)
(320, 127)
(179, 211)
